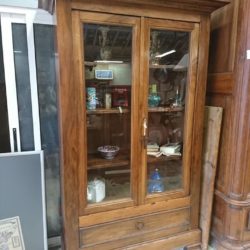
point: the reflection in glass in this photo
(107, 59)
(168, 65)
(48, 111)
(23, 86)
(4, 131)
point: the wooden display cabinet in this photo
(132, 80)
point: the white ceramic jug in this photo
(96, 190)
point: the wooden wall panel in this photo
(223, 37)
(220, 83)
(241, 109)
(229, 87)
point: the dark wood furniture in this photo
(153, 49)
(228, 87)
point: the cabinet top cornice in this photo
(204, 6)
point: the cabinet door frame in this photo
(193, 28)
(78, 20)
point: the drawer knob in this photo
(139, 225)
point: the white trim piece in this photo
(33, 80)
(17, 18)
(43, 201)
(248, 54)
(40, 16)
(19, 153)
(10, 79)
(15, 10)
(20, 3)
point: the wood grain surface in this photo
(212, 128)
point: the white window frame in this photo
(26, 16)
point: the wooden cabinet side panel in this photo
(198, 119)
(68, 112)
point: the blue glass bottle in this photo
(153, 98)
(155, 184)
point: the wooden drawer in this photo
(165, 223)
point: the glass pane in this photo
(23, 86)
(47, 93)
(166, 101)
(108, 99)
(4, 131)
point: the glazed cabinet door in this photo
(106, 52)
(137, 81)
(169, 79)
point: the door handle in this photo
(144, 133)
(14, 139)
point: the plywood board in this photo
(212, 129)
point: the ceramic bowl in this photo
(108, 152)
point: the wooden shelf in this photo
(163, 66)
(95, 63)
(90, 64)
(108, 111)
(97, 162)
(166, 109)
(126, 110)
(152, 159)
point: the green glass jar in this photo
(153, 98)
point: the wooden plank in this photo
(212, 128)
